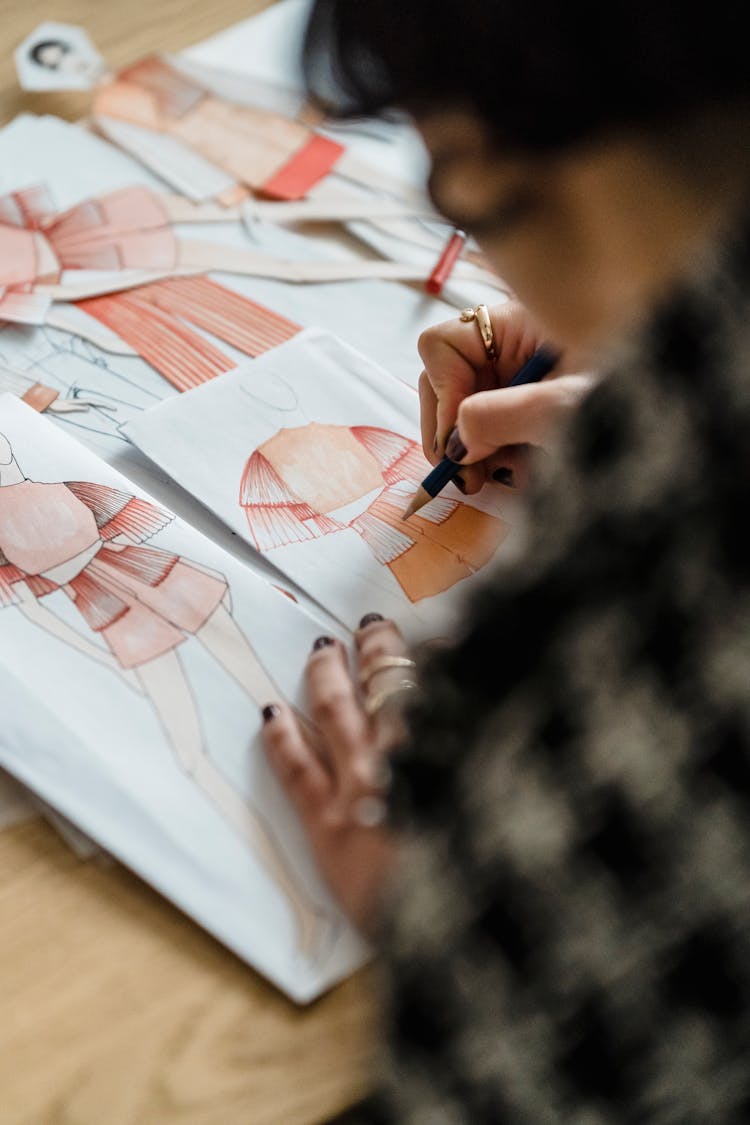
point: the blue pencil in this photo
(533, 371)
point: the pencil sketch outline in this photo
(295, 483)
(143, 602)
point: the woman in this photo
(561, 894)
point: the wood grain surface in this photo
(122, 30)
(115, 1009)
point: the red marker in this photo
(446, 262)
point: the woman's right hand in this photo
(461, 388)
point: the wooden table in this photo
(115, 1009)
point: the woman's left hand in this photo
(336, 775)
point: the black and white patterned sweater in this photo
(569, 938)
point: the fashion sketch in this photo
(142, 603)
(130, 230)
(254, 149)
(318, 479)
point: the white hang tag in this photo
(58, 56)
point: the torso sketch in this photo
(130, 229)
(255, 148)
(142, 603)
(296, 486)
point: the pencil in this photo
(533, 371)
(446, 262)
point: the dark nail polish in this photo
(370, 619)
(455, 448)
(270, 711)
(322, 642)
(504, 476)
(460, 483)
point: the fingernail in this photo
(370, 619)
(322, 642)
(504, 476)
(270, 711)
(455, 448)
(460, 483)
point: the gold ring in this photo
(481, 314)
(381, 664)
(374, 703)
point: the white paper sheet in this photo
(287, 475)
(78, 732)
(70, 159)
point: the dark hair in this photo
(38, 49)
(541, 73)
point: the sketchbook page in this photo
(72, 160)
(383, 319)
(314, 455)
(135, 658)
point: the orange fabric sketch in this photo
(294, 485)
(264, 151)
(130, 229)
(143, 601)
(154, 319)
(88, 541)
(126, 229)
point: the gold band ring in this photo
(382, 664)
(375, 703)
(481, 314)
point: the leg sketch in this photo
(223, 638)
(143, 603)
(167, 688)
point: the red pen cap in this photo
(446, 262)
